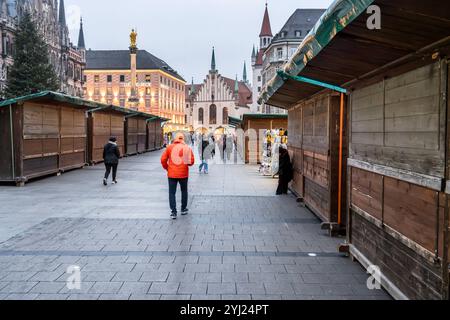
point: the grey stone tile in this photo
(221, 267)
(143, 267)
(278, 288)
(261, 277)
(210, 259)
(272, 297)
(307, 289)
(257, 260)
(127, 276)
(221, 288)
(164, 288)
(142, 297)
(135, 288)
(187, 259)
(48, 287)
(162, 259)
(192, 288)
(196, 268)
(205, 297)
(208, 277)
(22, 296)
(181, 277)
(47, 276)
(17, 276)
(316, 278)
(176, 297)
(235, 277)
(106, 287)
(120, 297)
(155, 276)
(84, 296)
(52, 297)
(172, 267)
(250, 288)
(234, 260)
(19, 287)
(97, 276)
(236, 297)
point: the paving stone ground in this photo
(238, 242)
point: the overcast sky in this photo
(182, 32)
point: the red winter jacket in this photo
(177, 159)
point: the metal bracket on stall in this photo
(286, 76)
(132, 115)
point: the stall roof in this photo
(342, 51)
(234, 122)
(92, 106)
(249, 116)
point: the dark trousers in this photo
(110, 166)
(173, 184)
(283, 185)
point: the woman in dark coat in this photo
(285, 172)
(111, 155)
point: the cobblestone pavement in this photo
(239, 241)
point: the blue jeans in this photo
(173, 184)
(204, 165)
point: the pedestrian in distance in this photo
(176, 160)
(285, 172)
(205, 154)
(111, 156)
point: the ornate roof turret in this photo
(81, 43)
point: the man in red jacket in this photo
(176, 160)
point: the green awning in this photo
(234, 122)
(339, 15)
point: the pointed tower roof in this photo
(254, 52)
(266, 29)
(236, 86)
(192, 87)
(62, 13)
(81, 44)
(244, 74)
(213, 60)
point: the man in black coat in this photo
(111, 155)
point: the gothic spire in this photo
(192, 87)
(253, 52)
(244, 74)
(62, 13)
(236, 86)
(81, 44)
(213, 60)
(266, 29)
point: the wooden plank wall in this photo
(400, 123)
(132, 138)
(6, 166)
(141, 135)
(295, 131)
(314, 142)
(41, 139)
(396, 123)
(73, 138)
(151, 138)
(106, 125)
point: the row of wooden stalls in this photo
(251, 132)
(48, 132)
(369, 131)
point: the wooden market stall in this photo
(155, 133)
(254, 126)
(397, 83)
(105, 122)
(136, 133)
(42, 134)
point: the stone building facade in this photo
(209, 104)
(276, 50)
(50, 17)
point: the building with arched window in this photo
(209, 104)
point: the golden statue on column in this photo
(133, 39)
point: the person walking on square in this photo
(205, 154)
(176, 160)
(111, 155)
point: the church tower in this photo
(81, 43)
(265, 35)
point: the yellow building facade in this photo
(158, 88)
